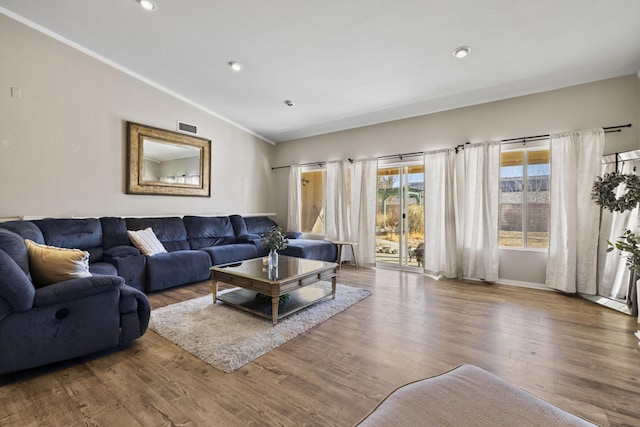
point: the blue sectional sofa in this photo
(42, 323)
(105, 307)
(193, 245)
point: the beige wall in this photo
(605, 103)
(63, 147)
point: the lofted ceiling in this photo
(346, 63)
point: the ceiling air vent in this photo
(186, 127)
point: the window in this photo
(524, 198)
(400, 214)
(312, 215)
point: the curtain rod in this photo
(401, 156)
(391, 156)
(523, 139)
(306, 164)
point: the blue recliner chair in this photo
(62, 320)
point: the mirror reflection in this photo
(170, 163)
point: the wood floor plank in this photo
(575, 354)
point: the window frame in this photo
(531, 146)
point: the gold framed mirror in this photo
(164, 162)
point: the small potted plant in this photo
(275, 239)
(629, 246)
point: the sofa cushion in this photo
(231, 253)
(121, 251)
(238, 224)
(312, 249)
(15, 286)
(146, 241)
(203, 232)
(103, 269)
(114, 232)
(177, 268)
(26, 229)
(14, 246)
(259, 224)
(71, 233)
(49, 264)
(169, 230)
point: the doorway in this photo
(400, 215)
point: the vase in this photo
(273, 273)
(273, 258)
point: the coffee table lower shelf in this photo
(299, 299)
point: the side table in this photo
(341, 244)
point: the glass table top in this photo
(288, 268)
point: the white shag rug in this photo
(228, 338)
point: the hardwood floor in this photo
(573, 353)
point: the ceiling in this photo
(347, 63)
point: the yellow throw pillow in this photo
(146, 241)
(49, 264)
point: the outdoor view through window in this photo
(312, 215)
(400, 215)
(524, 198)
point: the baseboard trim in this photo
(521, 284)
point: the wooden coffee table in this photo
(292, 276)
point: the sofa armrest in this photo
(121, 251)
(132, 300)
(76, 288)
(131, 267)
(15, 287)
(294, 235)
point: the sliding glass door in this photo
(400, 215)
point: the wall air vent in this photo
(186, 127)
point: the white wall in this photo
(63, 143)
(605, 103)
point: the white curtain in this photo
(364, 180)
(613, 272)
(477, 185)
(461, 212)
(294, 206)
(439, 215)
(576, 161)
(337, 195)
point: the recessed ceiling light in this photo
(236, 66)
(289, 102)
(148, 4)
(462, 51)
